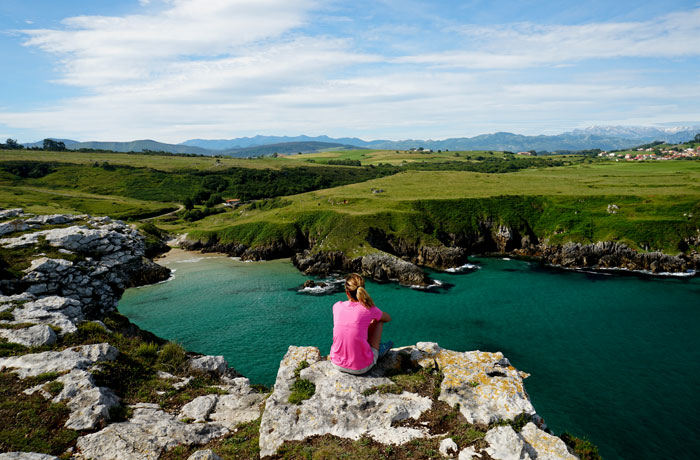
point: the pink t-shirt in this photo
(350, 324)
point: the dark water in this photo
(613, 358)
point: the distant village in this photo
(654, 154)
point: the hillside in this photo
(285, 148)
(450, 206)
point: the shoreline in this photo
(468, 266)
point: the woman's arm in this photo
(385, 317)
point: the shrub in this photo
(147, 351)
(583, 448)
(54, 387)
(172, 357)
(302, 365)
(302, 389)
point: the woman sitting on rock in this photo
(357, 329)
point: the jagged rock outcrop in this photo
(484, 386)
(378, 266)
(610, 254)
(273, 250)
(338, 407)
(151, 430)
(82, 357)
(94, 262)
(56, 294)
(89, 404)
(148, 433)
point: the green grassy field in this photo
(47, 201)
(561, 204)
(393, 157)
(161, 162)
(658, 201)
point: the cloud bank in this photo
(222, 68)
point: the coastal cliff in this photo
(116, 392)
(389, 256)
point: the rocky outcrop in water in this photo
(378, 266)
(611, 254)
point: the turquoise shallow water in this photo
(615, 358)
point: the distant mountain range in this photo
(601, 137)
(596, 137)
(257, 150)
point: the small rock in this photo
(34, 336)
(81, 357)
(216, 364)
(204, 455)
(26, 456)
(468, 454)
(448, 447)
(548, 447)
(199, 408)
(9, 213)
(505, 444)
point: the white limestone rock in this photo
(240, 405)
(547, 446)
(234, 409)
(338, 406)
(199, 408)
(82, 357)
(216, 364)
(505, 444)
(16, 298)
(17, 225)
(54, 219)
(148, 433)
(49, 266)
(10, 213)
(204, 455)
(62, 312)
(448, 447)
(89, 404)
(485, 385)
(33, 336)
(468, 453)
(26, 456)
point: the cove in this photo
(615, 358)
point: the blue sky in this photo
(173, 70)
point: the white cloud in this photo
(100, 50)
(521, 45)
(217, 68)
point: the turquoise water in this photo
(615, 358)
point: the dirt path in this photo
(180, 207)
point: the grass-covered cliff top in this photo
(658, 205)
(560, 198)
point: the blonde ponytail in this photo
(355, 287)
(364, 298)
